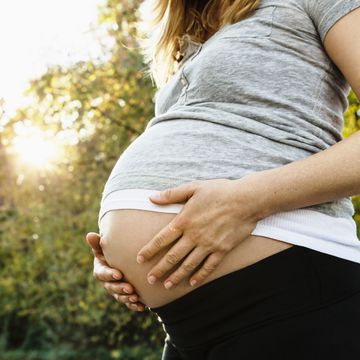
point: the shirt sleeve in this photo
(325, 13)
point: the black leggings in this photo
(296, 304)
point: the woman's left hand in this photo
(217, 216)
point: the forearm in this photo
(325, 176)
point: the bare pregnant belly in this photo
(126, 231)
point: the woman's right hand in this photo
(121, 291)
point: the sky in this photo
(38, 33)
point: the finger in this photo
(135, 307)
(187, 267)
(103, 272)
(126, 299)
(139, 306)
(121, 288)
(166, 236)
(93, 240)
(208, 267)
(176, 194)
(169, 260)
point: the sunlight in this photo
(35, 148)
(37, 34)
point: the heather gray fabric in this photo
(258, 94)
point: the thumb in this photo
(93, 239)
(177, 194)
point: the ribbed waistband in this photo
(134, 199)
(304, 227)
(289, 282)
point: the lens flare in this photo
(34, 147)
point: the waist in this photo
(305, 227)
(289, 282)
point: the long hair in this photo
(162, 24)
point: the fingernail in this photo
(193, 282)
(156, 196)
(133, 306)
(116, 276)
(132, 298)
(126, 290)
(140, 259)
(168, 284)
(151, 279)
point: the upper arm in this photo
(338, 25)
(342, 43)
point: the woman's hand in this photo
(121, 291)
(217, 216)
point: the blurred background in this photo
(73, 95)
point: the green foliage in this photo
(352, 124)
(68, 353)
(48, 296)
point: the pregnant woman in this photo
(247, 142)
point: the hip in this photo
(298, 298)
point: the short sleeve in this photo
(325, 13)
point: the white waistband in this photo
(332, 235)
(135, 199)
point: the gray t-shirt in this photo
(258, 94)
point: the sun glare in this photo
(35, 148)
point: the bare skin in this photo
(123, 237)
(112, 280)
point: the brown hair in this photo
(162, 23)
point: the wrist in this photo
(254, 188)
